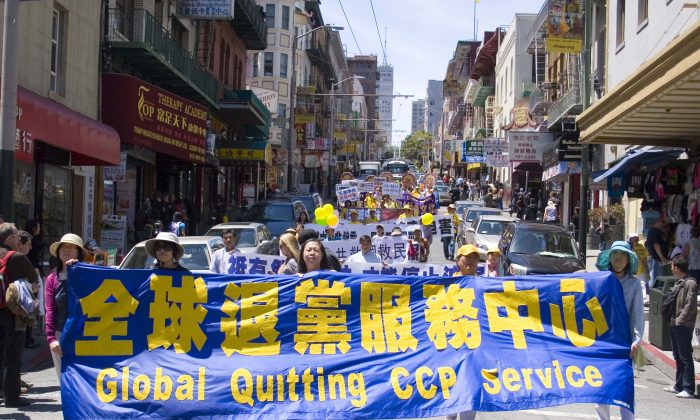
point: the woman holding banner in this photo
(623, 262)
(289, 247)
(313, 257)
(167, 251)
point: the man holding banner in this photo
(366, 254)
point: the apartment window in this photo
(57, 45)
(222, 52)
(180, 33)
(270, 15)
(227, 63)
(256, 64)
(282, 114)
(642, 12)
(620, 35)
(283, 65)
(285, 17)
(268, 65)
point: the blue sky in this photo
(421, 37)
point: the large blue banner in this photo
(167, 344)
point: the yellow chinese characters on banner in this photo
(565, 26)
(241, 154)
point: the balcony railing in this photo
(137, 31)
(249, 24)
(568, 104)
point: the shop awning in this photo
(243, 107)
(89, 141)
(645, 156)
(560, 171)
(656, 105)
(527, 166)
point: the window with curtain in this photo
(268, 65)
(284, 58)
(270, 15)
(285, 17)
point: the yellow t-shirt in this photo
(371, 220)
(370, 202)
(642, 254)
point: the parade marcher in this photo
(289, 247)
(682, 324)
(344, 213)
(493, 267)
(12, 335)
(167, 251)
(467, 260)
(418, 247)
(366, 254)
(448, 240)
(622, 262)
(303, 218)
(354, 217)
(550, 212)
(298, 228)
(407, 212)
(67, 251)
(380, 231)
(657, 246)
(313, 257)
(309, 234)
(330, 234)
(372, 218)
(221, 259)
(387, 202)
(370, 201)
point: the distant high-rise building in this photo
(385, 87)
(417, 115)
(433, 105)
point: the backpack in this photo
(668, 308)
(3, 270)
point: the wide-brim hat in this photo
(396, 231)
(603, 261)
(178, 250)
(467, 250)
(68, 238)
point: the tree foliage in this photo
(415, 147)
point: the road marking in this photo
(567, 414)
(641, 386)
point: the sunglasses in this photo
(163, 245)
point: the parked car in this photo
(252, 237)
(462, 205)
(443, 194)
(197, 256)
(539, 248)
(485, 232)
(278, 214)
(473, 212)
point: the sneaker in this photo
(685, 394)
(671, 389)
(20, 402)
(26, 384)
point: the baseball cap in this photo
(466, 250)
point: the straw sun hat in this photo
(178, 250)
(68, 238)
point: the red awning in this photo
(89, 141)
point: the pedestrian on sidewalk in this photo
(641, 251)
(682, 324)
(11, 335)
(67, 251)
(657, 245)
(623, 262)
(691, 252)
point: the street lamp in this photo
(292, 143)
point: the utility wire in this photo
(378, 33)
(350, 27)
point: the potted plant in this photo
(595, 218)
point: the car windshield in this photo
(491, 227)
(246, 235)
(441, 188)
(196, 257)
(461, 207)
(551, 244)
(473, 214)
(270, 213)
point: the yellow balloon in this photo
(328, 209)
(319, 214)
(427, 219)
(332, 220)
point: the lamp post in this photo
(292, 143)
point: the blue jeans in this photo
(603, 245)
(683, 355)
(655, 270)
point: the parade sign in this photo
(441, 226)
(391, 189)
(330, 345)
(347, 193)
(565, 26)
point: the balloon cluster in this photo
(325, 217)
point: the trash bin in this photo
(659, 334)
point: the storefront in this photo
(164, 138)
(56, 151)
(246, 164)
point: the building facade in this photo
(60, 142)
(417, 115)
(366, 67)
(433, 105)
(385, 105)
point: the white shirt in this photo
(220, 261)
(370, 257)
